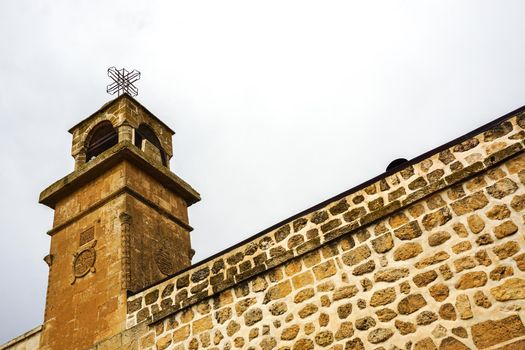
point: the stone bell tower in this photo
(120, 223)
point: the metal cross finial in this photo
(122, 81)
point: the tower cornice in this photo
(121, 151)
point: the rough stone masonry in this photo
(427, 256)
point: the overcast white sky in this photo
(277, 105)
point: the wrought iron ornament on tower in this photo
(123, 81)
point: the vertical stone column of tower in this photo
(120, 224)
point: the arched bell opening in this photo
(103, 137)
(145, 133)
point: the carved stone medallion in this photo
(84, 261)
(164, 261)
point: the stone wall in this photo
(424, 258)
(27, 341)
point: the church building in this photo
(428, 255)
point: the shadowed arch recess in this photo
(102, 137)
(144, 132)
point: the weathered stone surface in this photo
(343, 311)
(511, 289)
(506, 250)
(303, 295)
(181, 334)
(520, 261)
(408, 231)
(339, 207)
(134, 305)
(483, 258)
(436, 218)
(445, 272)
(425, 344)
(417, 183)
(278, 291)
(364, 268)
(243, 305)
(324, 338)
(505, 229)
(319, 217)
(476, 184)
(451, 343)
(461, 247)
(386, 314)
(356, 255)
(354, 214)
(303, 344)
(464, 263)
(438, 238)
(367, 284)
(383, 243)
(379, 335)
(431, 260)
(475, 223)
(397, 219)
(411, 304)
(330, 225)
(484, 239)
(439, 291)
(439, 331)
(290, 333)
(472, 280)
(299, 224)
(390, 274)
(201, 325)
(223, 315)
(480, 299)
(502, 188)
(404, 287)
(164, 342)
(383, 297)
(365, 323)
(436, 201)
(324, 270)
(376, 204)
(463, 307)
(518, 202)
(151, 297)
(346, 330)
(405, 327)
(470, 203)
(416, 210)
(426, 317)
(460, 332)
(282, 233)
(424, 278)
(345, 292)
(253, 316)
(501, 272)
(307, 310)
(499, 212)
(492, 332)
(447, 312)
(354, 344)
(466, 145)
(358, 199)
(407, 251)
(460, 229)
(497, 132)
(518, 345)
